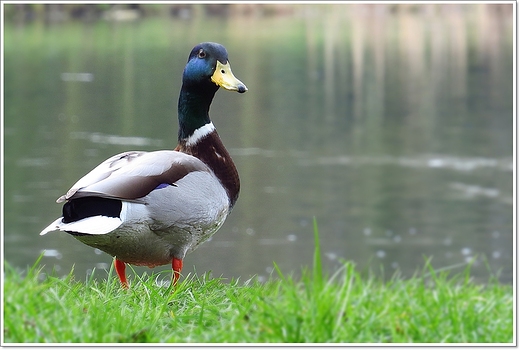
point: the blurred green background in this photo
(389, 123)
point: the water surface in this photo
(393, 130)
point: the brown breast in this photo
(211, 151)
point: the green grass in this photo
(345, 307)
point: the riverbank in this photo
(346, 307)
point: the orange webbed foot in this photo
(120, 269)
(177, 267)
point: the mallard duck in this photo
(152, 208)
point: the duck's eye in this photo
(201, 54)
(222, 71)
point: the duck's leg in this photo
(120, 269)
(177, 267)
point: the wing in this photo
(132, 175)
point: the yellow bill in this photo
(224, 77)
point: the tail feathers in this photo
(52, 227)
(94, 225)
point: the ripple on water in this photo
(52, 253)
(106, 139)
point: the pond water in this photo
(392, 129)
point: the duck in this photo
(152, 208)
